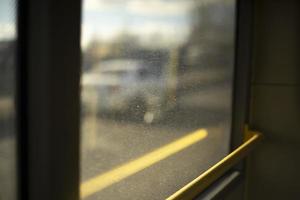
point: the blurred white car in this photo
(126, 86)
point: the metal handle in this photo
(192, 189)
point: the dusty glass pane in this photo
(7, 97)
(156, 94)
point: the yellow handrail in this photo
(192, 189)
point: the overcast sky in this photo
(7, 19)
(168, 19)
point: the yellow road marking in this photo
(102, 181)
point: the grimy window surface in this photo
(7, 99)
(156, 94)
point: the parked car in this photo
(127, 86)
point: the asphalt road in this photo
(108, 143)
(7, 149)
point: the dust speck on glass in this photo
(156, 94)
(7, 98)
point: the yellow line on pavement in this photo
(102, 181)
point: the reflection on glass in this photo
(156, 94)
(7, 93)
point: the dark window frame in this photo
(48, 101)
(242, 71)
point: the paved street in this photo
(108, 143)
(7, 149)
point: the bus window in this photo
(156, 94)
(7, 98)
